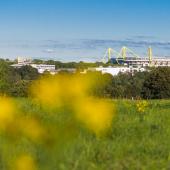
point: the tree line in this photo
(153, 84)
(77, 65)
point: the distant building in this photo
(24, 61)
(69, 70)
(18, 65)
(145, 62)
(44, 67)
(40, 67)
(116, 70)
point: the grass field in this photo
(136, 140)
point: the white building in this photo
(44, 67)
(116, 70)
(40, 67)
(24, 61)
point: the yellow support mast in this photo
(109, 53)
(150, 55)
(123, 52)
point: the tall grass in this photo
(136, 140)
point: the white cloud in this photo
(49, 51)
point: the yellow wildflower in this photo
(31, 128)
(141, 106)
(25, 162)
(7, 110)
(96, 114)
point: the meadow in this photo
(139, 138)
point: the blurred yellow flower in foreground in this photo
(58, 90)
(32, 128)
(47, 92)
(73, 91)
(25, 162)
(7, 110)
(96, 114)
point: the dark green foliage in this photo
(157, 84)
(20, 88)
(15, 82)
(100, 84)
(77, 65)
(126, 85)
(28, 73)
(8, 77)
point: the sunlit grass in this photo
(129, 143)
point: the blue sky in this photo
(82, 29)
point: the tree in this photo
(15, 82)
(20, 88)
(157, 84)
(28, 73)
(100, 84)
(7, 77)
